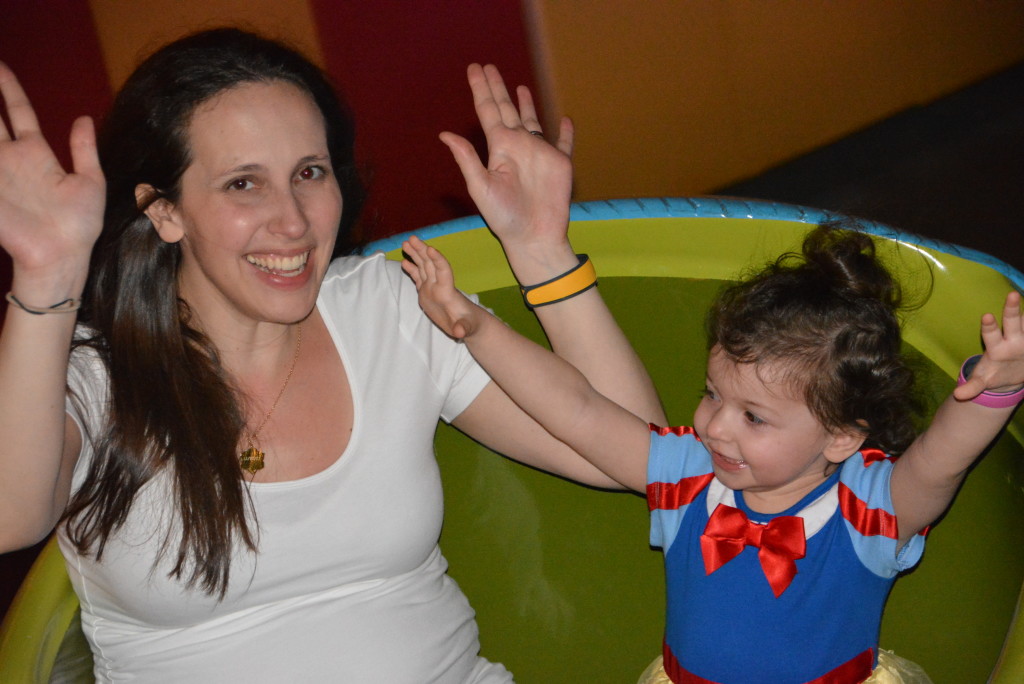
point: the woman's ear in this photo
(161, 212)
(844, 443)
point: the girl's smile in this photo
(726, 463)
(762, 437)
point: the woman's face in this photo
(259, 206)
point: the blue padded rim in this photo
(714, 207)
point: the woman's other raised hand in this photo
(524, 190)
(49, 219)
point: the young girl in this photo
(783, 513)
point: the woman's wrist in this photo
(537, 262)
(575, 281)
(46, 292)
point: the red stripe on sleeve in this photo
(870, 522)
(870, 456)
(672, 495)
(679, 431)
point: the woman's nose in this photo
(289, 217)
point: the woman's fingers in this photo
(487, 110)
(85, 158)
(19, 111)
(527, 110)
(499, 93)
(494, 105)
(566, 136)
(469, 163)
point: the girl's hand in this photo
(1001, 367)
(448, 308)
(49, 219)
(524, 191)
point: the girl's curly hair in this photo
(827, 318)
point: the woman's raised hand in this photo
(524, 191)
(49, 219)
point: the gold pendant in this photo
(251, 459)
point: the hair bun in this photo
(847, 263)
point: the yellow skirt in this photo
(891, 669)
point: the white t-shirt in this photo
(349, 584)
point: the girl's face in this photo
(259, 206)
(762, 437)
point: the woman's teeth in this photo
(282, 266)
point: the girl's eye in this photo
(752, 419)
(708, 393)
(312, 173)
(241, 184)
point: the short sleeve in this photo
(865, 500)
(86, 403)
(678, 470)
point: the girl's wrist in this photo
(998, 397)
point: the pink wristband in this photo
(986, 398)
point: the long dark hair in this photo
(171, 403)
(829, 318)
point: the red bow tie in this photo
(780, 543)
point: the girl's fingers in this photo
(442, 269)
(970, 389)
(991, 335)
(1012, 325)
(413, 248)
(429, 263)
(412, 271)
(19, 110)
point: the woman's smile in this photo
(285, 266)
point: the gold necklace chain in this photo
(252, 458)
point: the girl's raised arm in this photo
(49, 221)
(927, 476)
(552, 391)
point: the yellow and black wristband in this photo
(576, 280)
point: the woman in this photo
(243, 469)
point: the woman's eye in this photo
(708, 394)
(312, 173)
(241, 184)
(752, 419)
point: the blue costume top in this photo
(728, 626)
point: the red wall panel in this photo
(402, 66)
